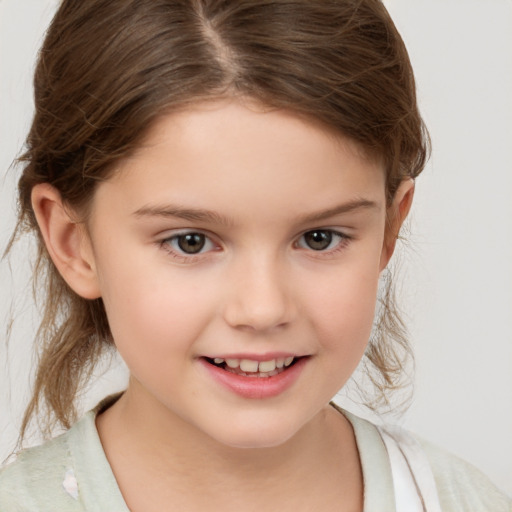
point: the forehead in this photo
(246, 113)
(233, 155)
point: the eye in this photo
(189, 243)
(320, 239)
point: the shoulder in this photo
(461, 486)
(69, 473)
(40, 479)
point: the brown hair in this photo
(109, 68)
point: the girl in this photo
(216, 188)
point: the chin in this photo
(256, 442)
(256, 436)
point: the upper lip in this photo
(254, 357)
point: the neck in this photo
(183, 458)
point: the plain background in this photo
(456, 268)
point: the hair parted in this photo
(108, 69)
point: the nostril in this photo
(258, 319)
(259, 300)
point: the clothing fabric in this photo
(71, 474)
(413, 480)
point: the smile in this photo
(252, 368)
(250, 378)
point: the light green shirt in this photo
(71, 473)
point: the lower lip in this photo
(256, 387)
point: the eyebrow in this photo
(202, 215)
(349, 207)
(192, 214)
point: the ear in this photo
(396, 214)
(66, 240)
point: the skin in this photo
(257, 287)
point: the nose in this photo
(259, 297)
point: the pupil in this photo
(318, 240)
(191, 243)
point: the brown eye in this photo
(322, 240)
(191, 243)
(319, 239)
(187, 245)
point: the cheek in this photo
(344, 308)
(152, 310)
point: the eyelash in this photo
(343, 240)
(167, 244)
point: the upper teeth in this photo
(249, 365)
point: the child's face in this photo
(241, 235)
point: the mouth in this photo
(253, 368)
(261, 377)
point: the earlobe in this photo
(66, 241)
(396, 215)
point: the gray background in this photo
(456, 275)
